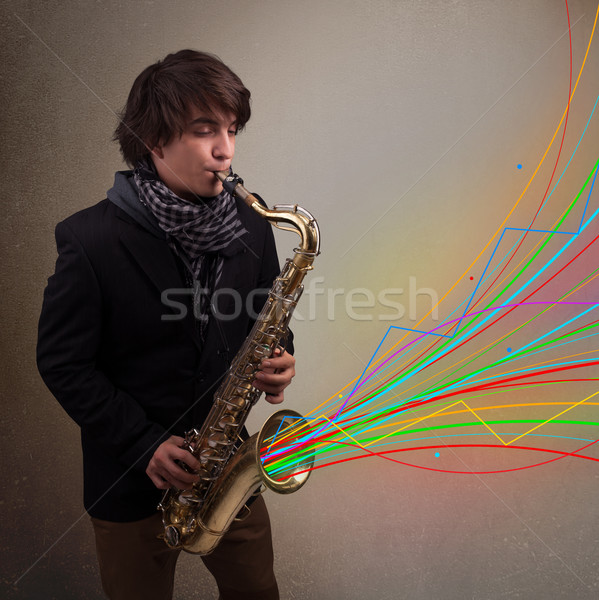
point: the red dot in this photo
(471, 278)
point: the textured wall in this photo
(399, 124)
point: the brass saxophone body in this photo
(196, 519)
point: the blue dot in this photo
(519, 166)
(437, 455)
(509, 349)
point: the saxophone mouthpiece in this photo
(222, 175)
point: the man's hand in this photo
(165, 472)
(275, 375)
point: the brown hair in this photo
(160, 98)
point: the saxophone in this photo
(196, 519)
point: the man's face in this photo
(186, 164)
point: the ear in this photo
(157, 152)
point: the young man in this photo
(147, 307)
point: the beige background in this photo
(399, 125)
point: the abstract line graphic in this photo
(509, 379)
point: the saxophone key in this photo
(228, 422)
(245, 372)
(237, 403)
(262, 351)
(218, 438)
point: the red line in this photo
(552, 174)
(498, 384)
(441, 446)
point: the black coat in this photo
(115, 352)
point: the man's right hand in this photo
(163, 469)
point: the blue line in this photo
(483, 278)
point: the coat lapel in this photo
(156, 259)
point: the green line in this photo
(513, 356)
(292, 459)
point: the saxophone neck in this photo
(289, 217)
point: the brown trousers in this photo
(136, 564)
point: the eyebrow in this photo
(203, 120)
(209, 121)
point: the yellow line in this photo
(496, 343)
(500, 406)
(411, 422)
(551, 419)
(520, 197)
(347, 434)
(483, 422)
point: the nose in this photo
(224, 146)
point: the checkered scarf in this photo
(202, 230)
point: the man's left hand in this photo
(275, 375)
